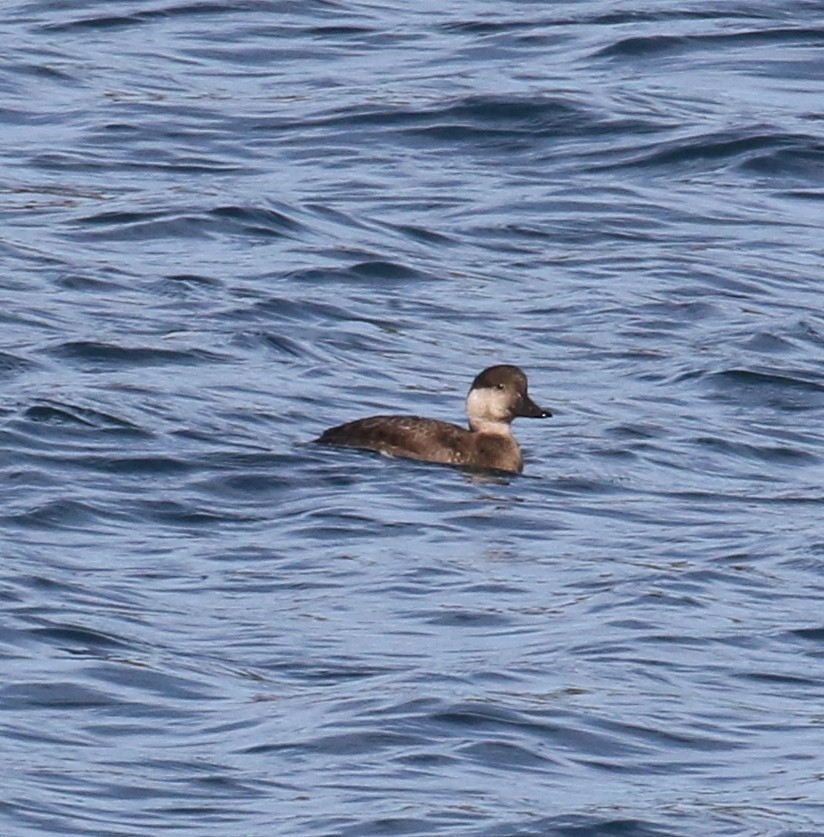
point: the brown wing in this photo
(412, 436)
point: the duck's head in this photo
(497, 396)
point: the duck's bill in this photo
(529, 409)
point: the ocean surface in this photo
(229, 224)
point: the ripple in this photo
(570, 825)
(653, 45)
(12, 365)
(96, 354)
(783, 454)
(782, 389)
(71, 515)
(186, 10)
(77, 639)
(375, 270)
(755, 151)
(68, 414)
(55, 695)
(225, 220)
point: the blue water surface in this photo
(228, 225)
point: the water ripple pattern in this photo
(227, 225)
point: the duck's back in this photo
(427, 439)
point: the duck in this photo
(498, 395)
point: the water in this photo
(228, 225)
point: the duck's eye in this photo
(499, 386)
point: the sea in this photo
(226, 225)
